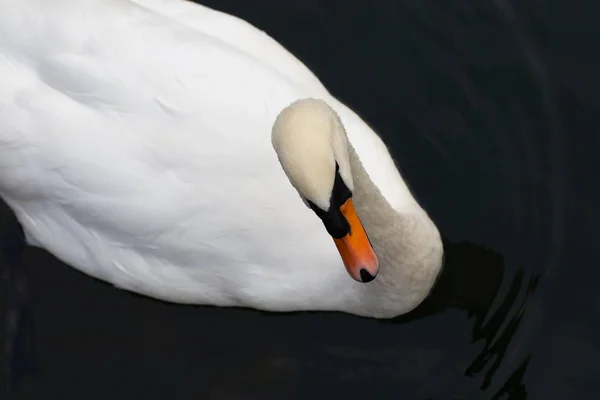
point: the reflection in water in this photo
(470, 281)
(415, 356)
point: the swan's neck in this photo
(407, 244)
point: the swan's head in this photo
(312, 147)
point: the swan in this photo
(180, 153)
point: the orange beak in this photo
(355, 248)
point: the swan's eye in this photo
(333, 219)
(340, 192)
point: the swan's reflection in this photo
(471, 282)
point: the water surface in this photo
(490, 109)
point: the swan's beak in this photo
(355, 248)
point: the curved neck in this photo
(407, 244)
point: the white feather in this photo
(135, 146)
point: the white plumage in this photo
(135, 146)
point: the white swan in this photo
(137, 144)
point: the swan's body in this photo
(135, 145)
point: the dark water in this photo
(491, 109)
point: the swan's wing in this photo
(112, 113)
(238, 33)
(127, 137)
(245, 37)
